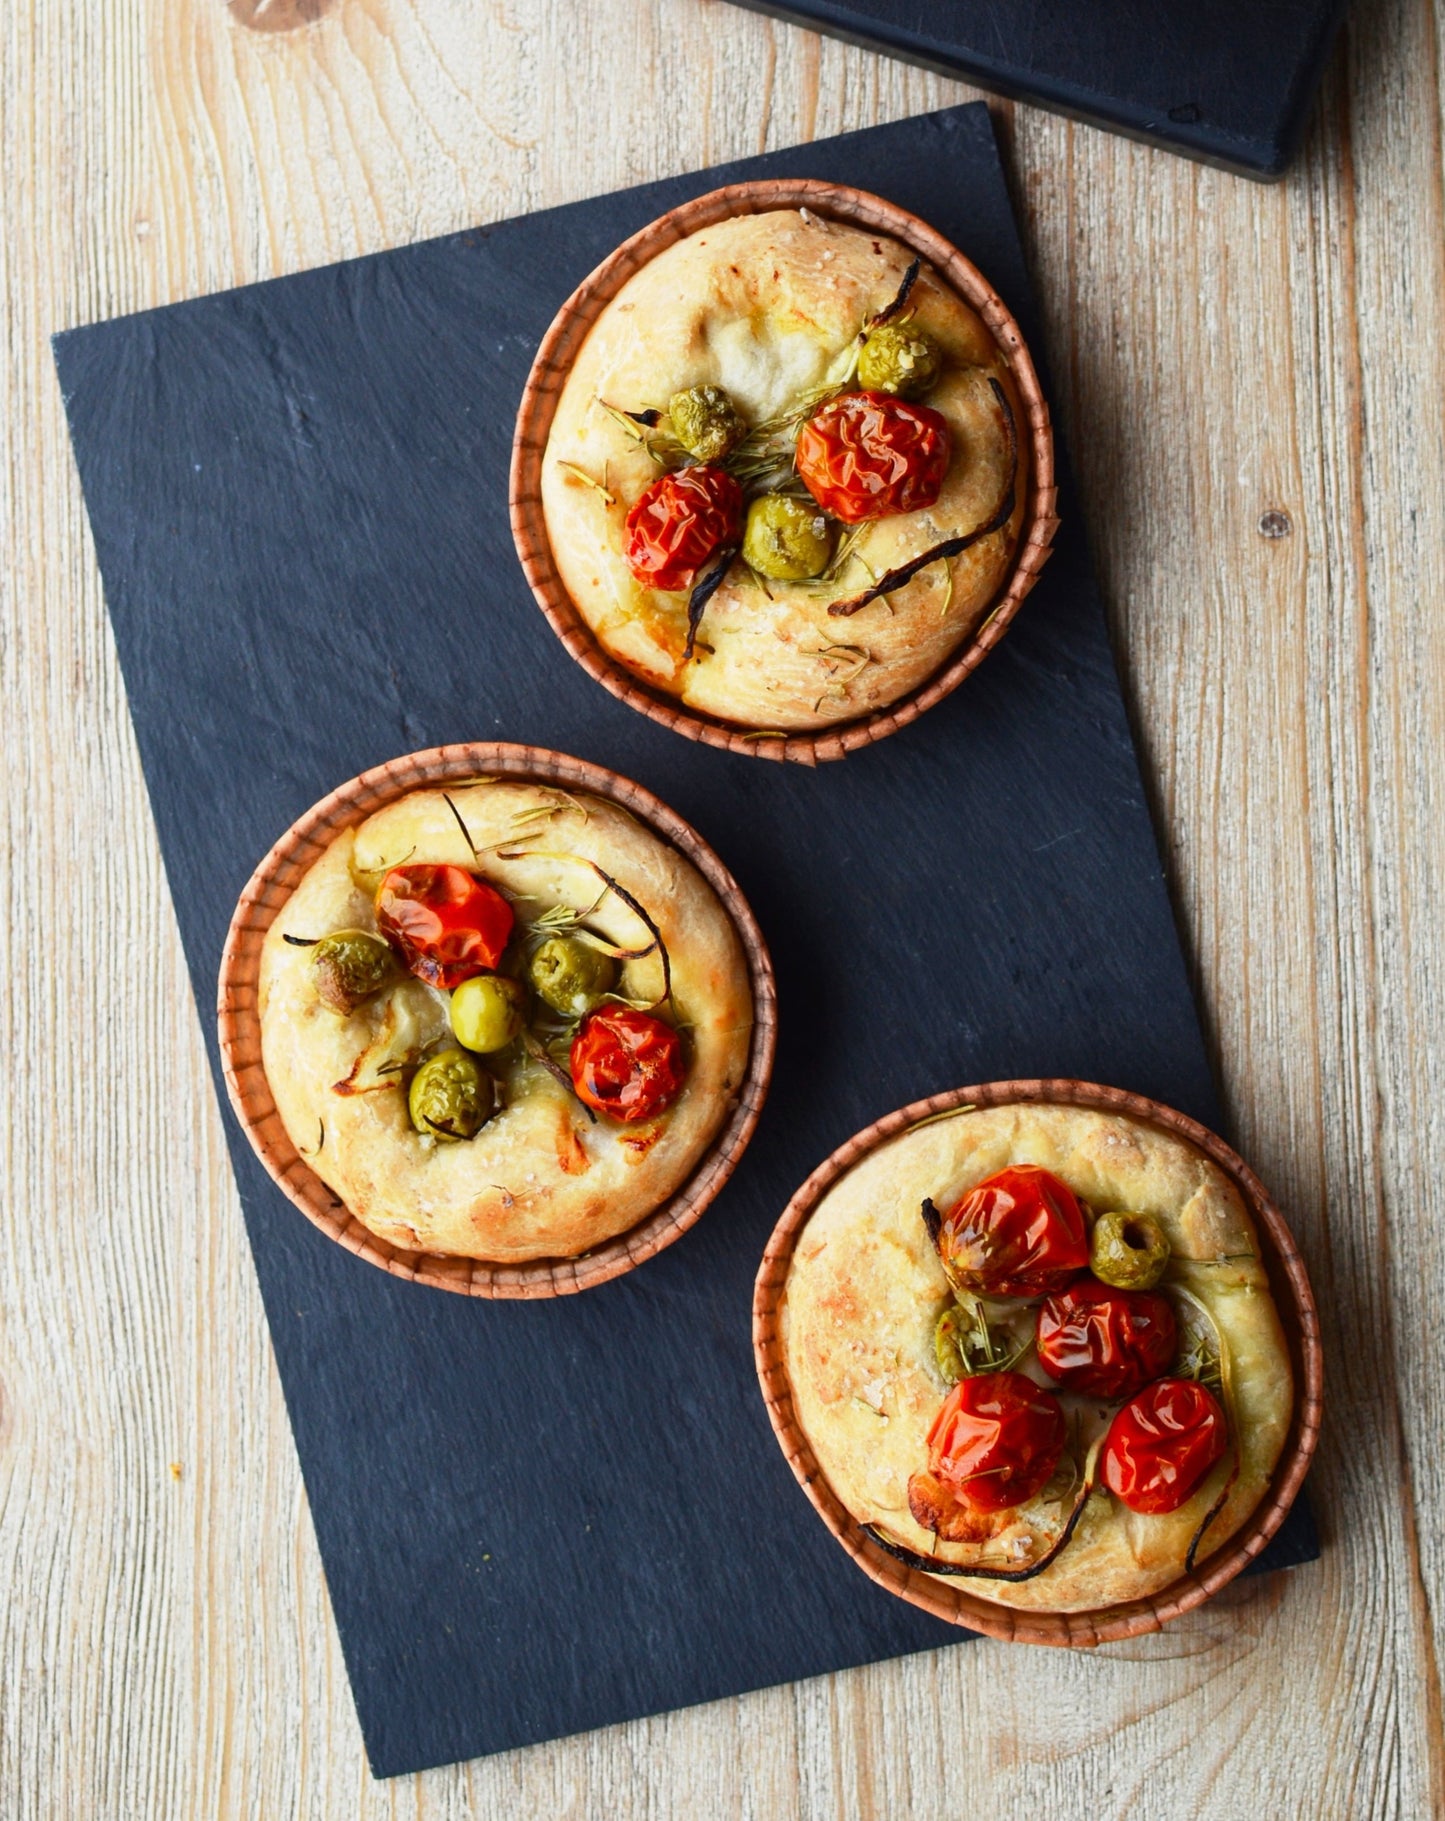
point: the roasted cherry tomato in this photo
(868, 455)
(1019, 1233)
(680, 523)
(626, 1064)
(997, 1440)
(1162, 1443)
(1104, 1342)
(445, 924)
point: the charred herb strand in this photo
(1214, 1510)
(954, 546)
(466, 834)
(889, 311)
(981, 1571)
(557, 1072)
(704, 591)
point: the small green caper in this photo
(786, 539)
(571, 976)
(1128, 1251)
(899, 358)
(350, 966)
(452, 1097)
(488, 1011)
(706, 422)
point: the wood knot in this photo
(1275, 524)
(277, 15)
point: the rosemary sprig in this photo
(967, 1344)
(561, 920)
(644, 428)
(947, 1113)
(597, 486)
(838, 654)
(656, 945)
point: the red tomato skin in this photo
(869, 455)
(1106, 1342)
(1161, 1445)
(680, 523)
(997, 1440)
(1019, 1232)
(444, 922)
(626, 1063)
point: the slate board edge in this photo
(1264, 161)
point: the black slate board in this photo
(540, 1518)
(1228, 81)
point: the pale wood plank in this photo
(1218, 349)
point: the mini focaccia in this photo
(503, 1021)
(773, 420)
(891, 1358)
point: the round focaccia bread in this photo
(769, 307)
(865, 1290)
(540, 1179)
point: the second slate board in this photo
(539, 1518)
(1230, 82)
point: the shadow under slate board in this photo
(1228, 81)
(540, 1518)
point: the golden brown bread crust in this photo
(539, 1180)
(858, 1310)
(762, 305)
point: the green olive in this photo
(488, 1011)
(899, 358)
(706, 422)
(786, 539)
(1128, 1251)
(452, 1097)
(947, 1349)
(570, 975)
(350, 966)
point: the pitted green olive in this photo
(1128, 1251)
(488, 1011)
(349, 967)
(571, 976)
(947, 1346)
(706, 422)
(900, 359)
(786, 539)
(452, 1097)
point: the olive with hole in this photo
(1128, 1251)
(899, 359)
(350, 966)
(706, 422)
(488, 1012)
(452, 1097)
(571, 976)
(786, 539)
(947, 1347)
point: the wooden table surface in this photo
(1222, 351)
